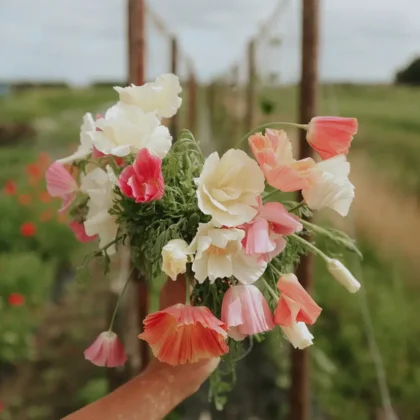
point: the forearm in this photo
(151, 395)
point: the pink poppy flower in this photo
(107, 350)
(295, 304)
(331, 136)
(143, 180)
(246, 312)
(273, 152)
(61, 184)
(264, 234)
(80, 232)
(185, 334)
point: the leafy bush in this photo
(26, 274)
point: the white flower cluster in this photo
(133, 123)
(227, 190)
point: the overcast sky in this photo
(82, 40)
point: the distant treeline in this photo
(410, 75)
(25, 85)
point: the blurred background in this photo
(240, 65)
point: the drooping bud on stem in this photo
(342, 275)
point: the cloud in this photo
(79, 40)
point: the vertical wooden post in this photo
(138, 300)
(300, 399)
(192, 101)
(174, 70)
(140, 50)
(130, 41)
(250, 93)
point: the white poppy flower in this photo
(175, 255)
(126, 128)
(298, 335)
(219, 254)
(85, 147)
(99, 186)
(331, 186)
(228, 188)
(160, 96)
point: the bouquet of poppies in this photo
(227, 225)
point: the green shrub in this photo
(26, 274)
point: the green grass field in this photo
(389, 124)
(345, 383)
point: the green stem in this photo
(187, 290)
(314, 227)
(311, 246)
(111, 324)
(269, 288)
(270, 194)
(268, 125)
(298, 206)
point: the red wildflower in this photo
(46, 216)
(34, 172)
(25, 199)
(10, 188)
(44, 160)
(27, 229)
(45, 197)
(16, 299)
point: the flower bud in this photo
(107, 350)
(174, 258)
(298, 335)
(343, 275)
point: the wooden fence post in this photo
(250, 94)
(174, 70)
(300, 398)
(192, 101)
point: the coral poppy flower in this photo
(27, 229)
(10, 188)
(107, 350)
(25, 199)
(80, 232)
(331, 136)
(295, 304)
(273, 152)
(143, 180)
(61, 184)
(246, 312)
(16, 299)
(185, 334)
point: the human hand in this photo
(160, 388)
